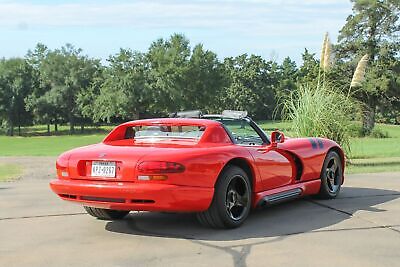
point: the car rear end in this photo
(125, 173)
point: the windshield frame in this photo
(249, 121)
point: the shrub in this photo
(379, 133)
(320, 111)
(324, 111)
(355, 129)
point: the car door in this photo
(274, 167)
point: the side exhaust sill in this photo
(279, 197)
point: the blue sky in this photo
(273, 29)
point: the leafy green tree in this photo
(251, 86)
(87, 100)
(390, 104)
(16, 82)
(124, 94)
(204, 81)
(168, 66)
(309, 71)
(373, 29)
(67, 73)
(287, 75)
(41, 102)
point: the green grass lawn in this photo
(369, 147)
(44, 145)
(379, 154)
(269, 126)
(41, 130)
(373, 168)
(9, 172)
(362, 148)
(376, 154)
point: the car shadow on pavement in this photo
(299, 216)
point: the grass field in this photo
(368, 147)
(367, 154)
(388, 164)
(44, 145)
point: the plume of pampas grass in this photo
(359, 74)
(323, 50)
(327, 55)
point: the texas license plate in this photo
(103, 169)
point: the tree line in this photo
(64, 85)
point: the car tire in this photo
(331, 176)
(231, 203)
(106, 214)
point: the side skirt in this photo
(280, 197)
(277, 195)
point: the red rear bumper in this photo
(134, 196)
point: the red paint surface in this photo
(273, 168)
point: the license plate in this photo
(103, 169)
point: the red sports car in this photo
(219, 166)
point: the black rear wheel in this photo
(231, 202)
(106, 214)
(331, 176)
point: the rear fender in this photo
(246, 165)
(203, 165)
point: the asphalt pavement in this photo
(360, 228)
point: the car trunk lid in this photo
(123, 158)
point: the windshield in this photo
(241, 131)
(164, 132)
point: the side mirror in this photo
(277, 137)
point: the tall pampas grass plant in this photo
(321, 110)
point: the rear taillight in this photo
(61, 166)
(160, 167)
(62, 172)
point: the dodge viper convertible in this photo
(217, 166)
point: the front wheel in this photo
(331, 176)
(106, 214)
(231, 202)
